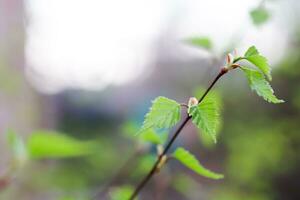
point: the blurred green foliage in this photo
(259, 147)
(263, 145)
(259, 16)
(203, 42)
(50, 144)
(121, 193)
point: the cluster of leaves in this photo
(259, 78)
(163, 114)
(166, 113)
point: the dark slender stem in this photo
(141, 185)
(222, 72)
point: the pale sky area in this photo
(91, 44)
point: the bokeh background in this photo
(77, 77)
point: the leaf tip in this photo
(219, 176)
(279, 101)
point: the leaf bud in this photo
(229, 59)
(192, 101)
(224, 69)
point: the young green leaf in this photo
(260, 85)
(259, 16)
(121, 193)
(253, 56)
(252, 51)
(48, 144)
(189, 160)
(206, 116)
(164, 113)
(203, 42)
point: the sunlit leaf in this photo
(164, 113)
(202, 42)
(189, 160)
(259, 15)
(121, 193)
(206, 115)
(48, 144)
(253, 56)
(260, 85)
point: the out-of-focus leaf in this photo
(121, 193)
(164, 113)
(202, 42)
(49, 144)
(259, 84)
(129, 129)
(259, 16)
(144, 165)
(189, 160)
(185, 185)
(151, 136)
(253, 56)
(18, 147)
